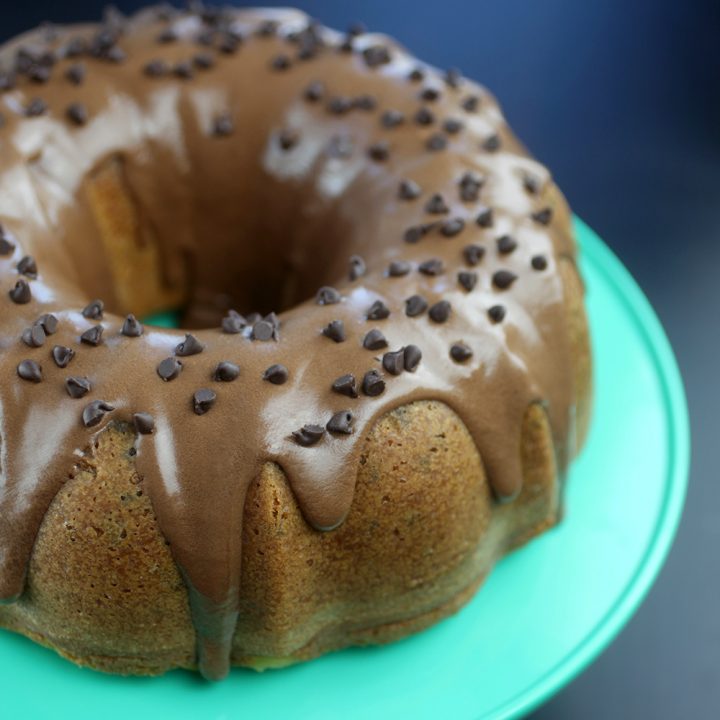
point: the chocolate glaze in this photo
(246, 219)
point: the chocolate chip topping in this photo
(62, 355)
(414, 234)
(226, 371)
(394, 361)
(21, 294)
(543, 217)
(28, 267)
(203, 400)
(431, 267)
(92, 336)
(503, 279)
(365, 102)
(131, 327)
(327, 296)
(531, 183)
(94, 412)
(409, 190)
(35, 108)
(276, 374)
(429, 94)
(440, 311)
(233, 323)
(341, 423)
(497, 313)
(30, 370)
(415, 305)
(470, 103)
(345, 385)
(189, 346)
(378, 311)
(376, 55)
(203, 61)
(374, 340)
(34, 336)
(77, 113)
(335, 330)
(453, 77)
(436, 205)
(263, 330)
(460, 352)
(473, 254)
(412, 357)
(452, 126)
(308, 435)
(398, 268)
(183, 70)
(506, 244)
(94, 311)
(339, 105)
(6, 246)
(470, 184)
(492, 143)
(169, 368)
(373, 384)
(223, 125)
(77, 387)
(144, 423)
(340, 147)
(436, 142)
(467, 280)
(76, 73)
(392, 119)
(424, 116)
(357, 267)
(288, 139)
(485, 218)
(379, 151)
(48, 322)
(539, 262)
(417, 74)
(452, 227)
(314, 91)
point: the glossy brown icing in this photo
(258, 178)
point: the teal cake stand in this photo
(545, 612)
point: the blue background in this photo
(621, 99)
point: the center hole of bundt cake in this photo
(253, 251)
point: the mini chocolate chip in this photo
(531, 184)
(485, 218)
(189, 346)
(394, 361)
(276, 374)
(357, 267)
(92, 336)
(430, 94)
(28, 267)
(203, 61)
(267, 28)
(34, 336)
(417, 74)
(345, 385)
(39, 74)
(460, 352)
(203, 400)
(115, 55)
(373, 384)
(414, 234)
(183, 70)
(226, 371)
(409, 190)
(94, 412)
(169, 368)
(415, 305)
(339, 105)
(470, 184)
(49, 323)
(94, 310)
(379, 151)
(77, 387)
(412, 357)
(424, 116)
(144, 423)
(436, 205)
(77, 113)
(314, 91)
(340, 147)
(223, 125)
(506, 244)
(288, 139)
(539, 262)
(167, 35)
(356, 28)
(327, 296)
(233, 323)
(341, 423)
(497, 313)
(36, 107)
(30, 370)
(452, 227)
(392, 119)
(378, 311)
(470, 103)
(503, 279)
(543, 217)
(374, 340)
(473, 254)
(21, 294)
(263, 330)
(335, 330)
(76, 73)
(467, 280)
(131, 327)
(491, 143)
(440, 311)
(431, 267)
(376, 55)
(229, 43)
(280, 63)
(365, 102)
(453, 77)
(398, 268)
(6, 246)
(62, 355)
(308, 435)
(452, 126)
(436, 142)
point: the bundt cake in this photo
(384, 366)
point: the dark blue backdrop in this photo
(622, 100)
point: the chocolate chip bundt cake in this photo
(260, 488)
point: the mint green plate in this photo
(544, 613)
